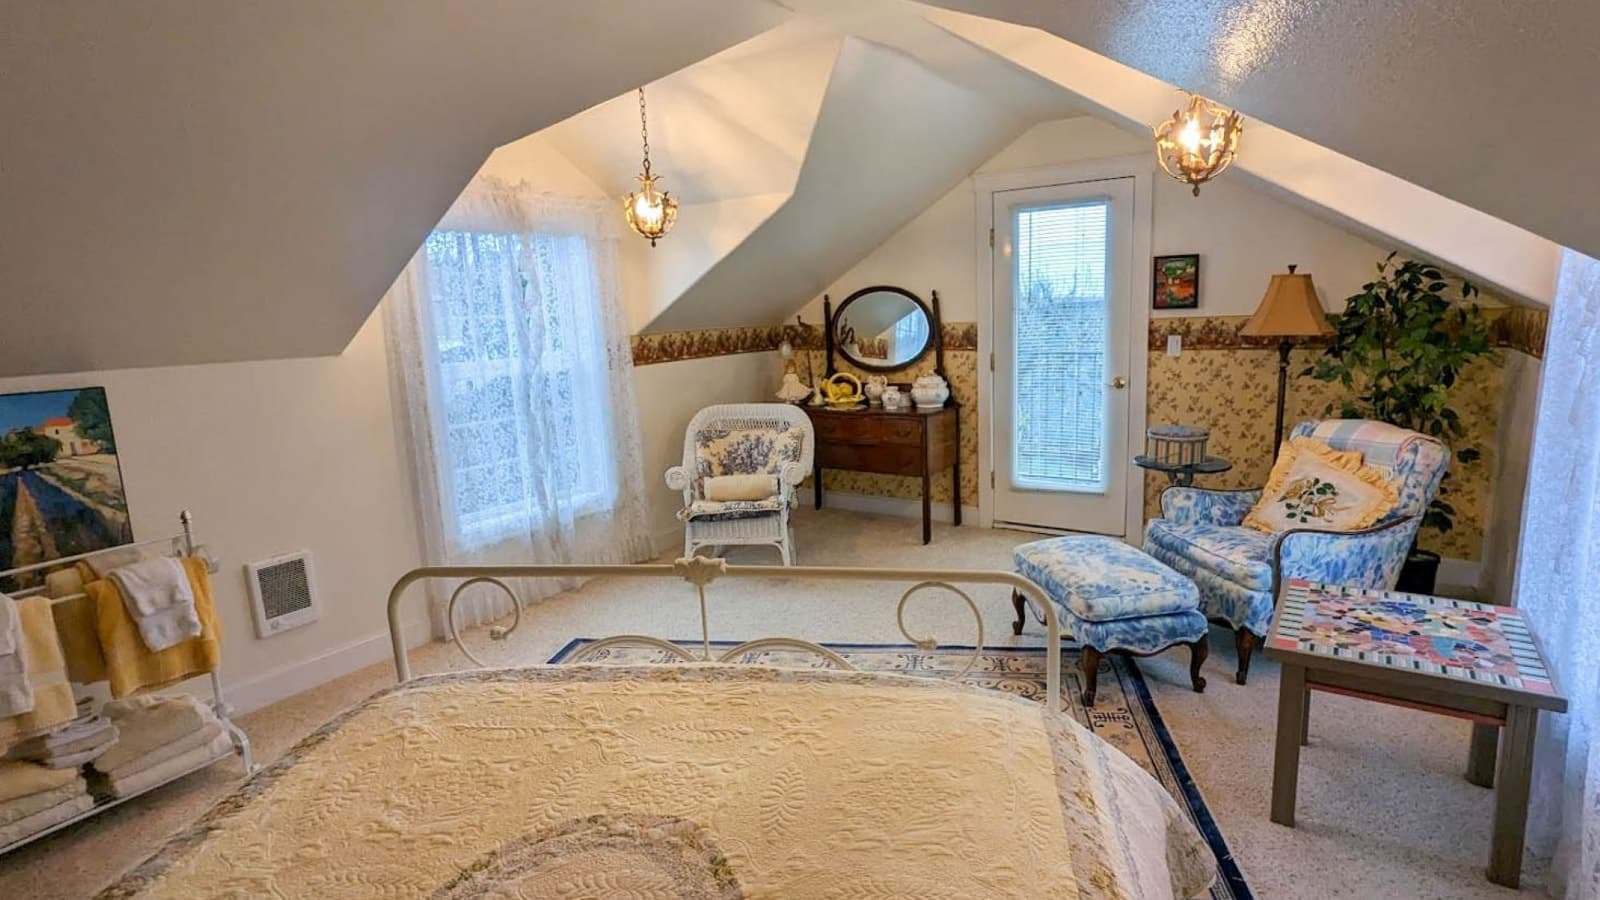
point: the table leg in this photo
(927, 508)
(1512, 781)
(955, 477)
(1481, 755)
(816, 484)
(1305, 717)
(1286, 755)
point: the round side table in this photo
(1182, 475)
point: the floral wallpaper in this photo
(1221, 380)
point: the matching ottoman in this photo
(1115, 598)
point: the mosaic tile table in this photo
(1474, 661)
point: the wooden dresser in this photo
(911, 442)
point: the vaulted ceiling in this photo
(208, 180)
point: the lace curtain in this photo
(1558, 581)
(510, 356)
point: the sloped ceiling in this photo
(189, 182)
(1489, 104)
(908, 112)
(194, 181)
(1357, 197)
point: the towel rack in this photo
(182, 544)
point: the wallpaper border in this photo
(673, 346)
(1519, 328)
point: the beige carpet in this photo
(1384, 811)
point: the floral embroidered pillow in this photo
(1314, 486)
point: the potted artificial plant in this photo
(1398, 348)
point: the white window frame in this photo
(985, 186)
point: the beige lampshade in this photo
(1289, 309)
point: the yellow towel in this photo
(130, 665)
(52, 695)
(25, 779)
(79, 629)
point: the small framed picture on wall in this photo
(1176, 282)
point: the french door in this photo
(1063, 277)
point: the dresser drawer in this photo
(900, 430)
(842, 428)
(886, 459)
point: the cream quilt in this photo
(694, 781)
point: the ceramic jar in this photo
(873, 388)
(930, 392)
(892, 398)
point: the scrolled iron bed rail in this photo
(701, 572)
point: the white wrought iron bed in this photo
(697, 778)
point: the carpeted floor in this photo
(1383, 809)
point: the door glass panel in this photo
(1060, 317)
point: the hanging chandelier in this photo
(649, 211)
(1198, 141)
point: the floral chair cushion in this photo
(1241, 555)
(1101, 579)
(730, 509)
(745, 451)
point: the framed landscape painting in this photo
(1177, 282)
(60, 482)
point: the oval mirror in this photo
(883, 328)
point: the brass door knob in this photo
(1119, 382)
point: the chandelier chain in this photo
(644, 132)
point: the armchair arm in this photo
(1198, 506)
(678, 478)
(1369, 558)
(793, 474)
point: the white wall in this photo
(273, 457)
(1242, 235)
(669, 395)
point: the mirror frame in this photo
(935, 339)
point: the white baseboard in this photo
(286, 681)
(894, 506)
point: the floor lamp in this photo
(1289, 310)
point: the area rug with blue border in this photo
(1124, 713)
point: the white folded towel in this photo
(83, 733)
(161, 754)
(10, 626)
(48, 818)
(16, 689)
(158, 598)
(147, 722)
(16, 810)
(172, 768)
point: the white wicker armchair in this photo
(742, 439)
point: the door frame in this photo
(985, 186)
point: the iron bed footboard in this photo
(700, 572)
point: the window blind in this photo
(1061, 323)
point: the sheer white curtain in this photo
(1558, 581)
(510, 356)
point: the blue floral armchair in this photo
(1239, 570)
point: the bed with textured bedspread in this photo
(689, 781)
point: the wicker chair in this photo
(742, 439)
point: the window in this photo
(1061, 343)
(521, 366)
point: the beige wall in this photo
(1513, 448)
(273, 457)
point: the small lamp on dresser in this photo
(1289, 310)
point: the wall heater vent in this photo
(281, 592)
